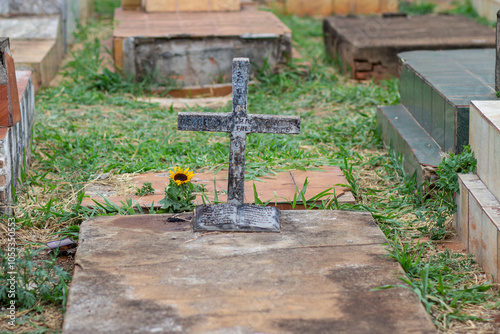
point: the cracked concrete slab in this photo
(143, 274)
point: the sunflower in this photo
(181, 176)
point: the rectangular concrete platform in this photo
(484, 140)
(436, 88)
(401, 132)
(477, 223)
(143, 274)
(190, 6)
(369, 45)
(477, 220)
(197, 48)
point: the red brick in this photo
(2, 180)
(13, 94)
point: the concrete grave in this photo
(143, 274)
(17, 116)
(196, 49)
(436, 88)
(329, 7)
(368, 46)
(41, 31)
(477, 220)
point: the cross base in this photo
(236, 218)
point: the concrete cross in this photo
(238, 124)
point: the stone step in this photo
(197, 49)
(484, 136)
(477, 222)
(437, 86)
(143, 274)
(36, 44)
(368, 46)
(406, 136)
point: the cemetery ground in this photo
(91, 128)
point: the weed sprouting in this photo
(36, 278)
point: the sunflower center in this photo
(180, 177)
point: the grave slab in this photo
(484, 137)
(142, 274)
(329, 7)
(279, 189)
(477, 220)
(436, 88)
(197, 49)
(369, 45)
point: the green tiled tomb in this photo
(436, 88)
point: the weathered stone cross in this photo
(238, 124)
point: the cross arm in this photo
(274, 124)
(201, 121)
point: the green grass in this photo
(92, 123)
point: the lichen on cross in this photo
(238, 123)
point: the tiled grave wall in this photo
(190, 6)
(328, 7)
(436, 87)
(197, 49)
(15, 141)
